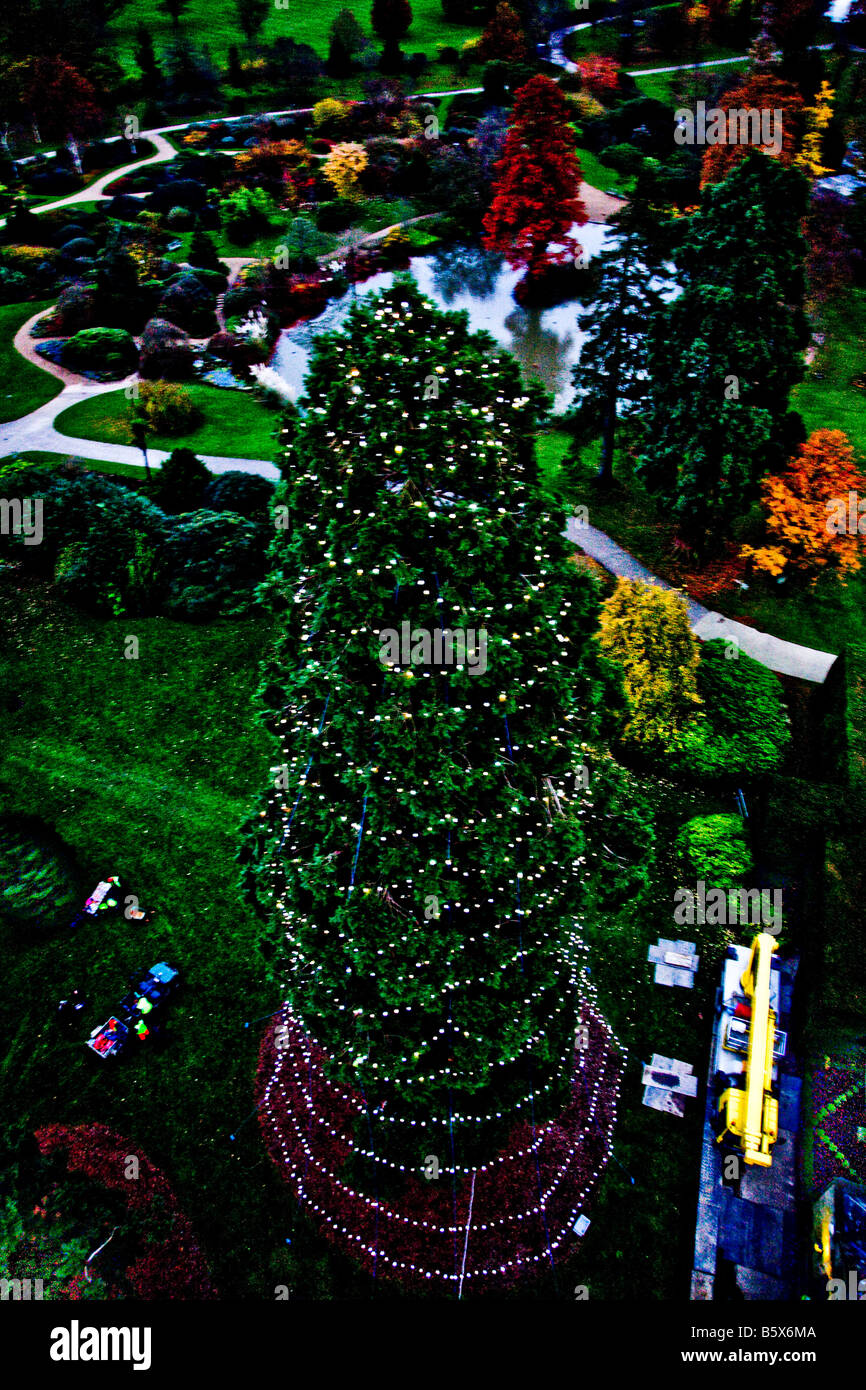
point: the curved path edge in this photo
(785, 658)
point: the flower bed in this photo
(840, 1110)
(171, 1268)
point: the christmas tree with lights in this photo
(438, 1090)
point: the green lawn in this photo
(600, 175)
(43, 459)
(700, 82)
(23, 387)
(236, 423)
(217, 25)
(827, 399)
(145, 768)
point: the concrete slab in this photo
(659, 1098)
(786, 658)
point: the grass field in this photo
(23, 387)
(600, 176)
(43, 459)
(236, 423)
(215, 22)
(827, 399)
(145, 768)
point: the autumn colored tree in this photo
(645, 630)
(343, 168)
(503, 40)
(536, 197)
(811, 523)
(761, 91)
(817, 119)
(600, 76)
(58, 101)
(279, 166)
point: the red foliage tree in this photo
(59, 102)
(761, 91)
(600, 76)
(536, 198)
(794, 23)
(503, 40)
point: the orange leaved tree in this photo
(813, 510)
(762, 91)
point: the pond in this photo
(546, 342)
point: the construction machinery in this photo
(748, 1111)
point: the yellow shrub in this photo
(342, 168)
(588, 105)
(331, 114)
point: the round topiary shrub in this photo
(745, 731)
(124, 207)
(715, 848)
(79, 248)
(246, 494)
(37, 877)
(166, 352)
(104, 351)
(168, 408)
(190, 304)
(239, 300)
(336, 215)
(179, 219)
(76, 309)
(186, 193)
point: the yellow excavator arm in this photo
(751, 1114)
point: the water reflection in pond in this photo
(545, 342)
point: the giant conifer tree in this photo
(421, 858)
(611, 378)
(728, 351)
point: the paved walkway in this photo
(37, 431)
(786, 658)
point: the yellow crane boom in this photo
(751, 1114)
